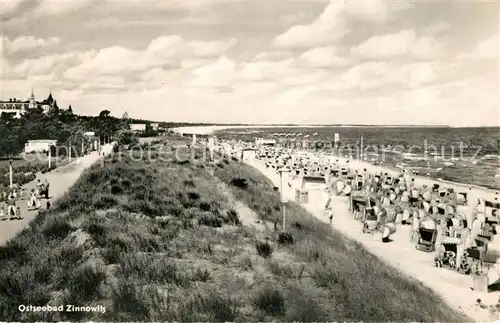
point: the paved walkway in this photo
(60, 180)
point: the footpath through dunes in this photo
(60, 180)
(178, 240)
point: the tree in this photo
(125, 124)
(104, 114)
(10, 145)
(54, 111)
(65, 127)
(76, 137)
(126, 137)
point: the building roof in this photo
(314, 179)
(41, 141)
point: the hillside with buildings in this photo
(17, 107)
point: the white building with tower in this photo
(18, 107)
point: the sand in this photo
(452, 286)
(60, 180)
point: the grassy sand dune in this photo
(179, 241)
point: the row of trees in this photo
(62, 125)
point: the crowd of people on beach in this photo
(460, 229)
(10, 201)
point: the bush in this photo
(233, 217)
(85, 281)
(271, 301)
(285, 239)
(193, 195)
(240, 182)
(264, 249)
(126, 137)
(220, 309)
(56, 227)
(105, 202)
(116, 190)
(210, 220)
(189, 183)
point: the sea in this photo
(464, 155)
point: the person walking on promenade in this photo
(39, 187)
(33, 201)
(11, 206)
(46, 189)
(3, 211)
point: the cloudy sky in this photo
(258, 61)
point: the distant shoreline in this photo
(210, 129)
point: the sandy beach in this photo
(452, 286)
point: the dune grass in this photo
(164, 240)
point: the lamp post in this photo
(10, 173)
(50, 158)
(284, 199)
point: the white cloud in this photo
(419, 74)
(333, 23)
(323, 57)
(370, 76)
(274, 55)
(9, 7)
(164, 4)
(211, 48)
(261, 71)
(61, 7)
(329, 27)
(162, 52)
(216, 74)
(404, 44)
(437, 28)
(486, 49)
(167, 46)
(50, 64)
(109, 61)
(375, 11)
(29, 43)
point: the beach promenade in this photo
(60, 180)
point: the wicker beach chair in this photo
(369, 220)
(358, 205)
